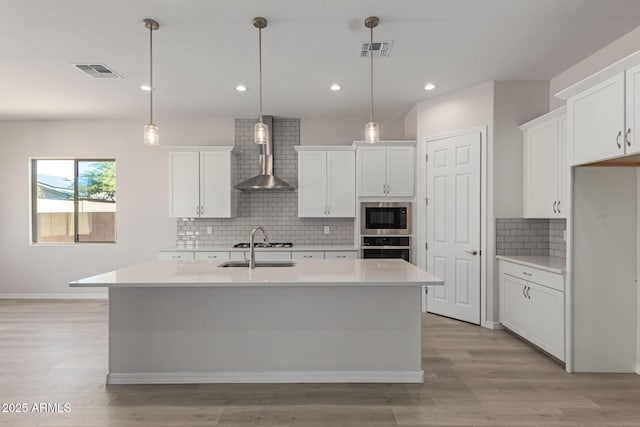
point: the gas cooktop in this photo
(265, 245)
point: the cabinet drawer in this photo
(341, 255)
(223, 256)
(270, 256)
(541, 277)
(184, 256)
(302, 255)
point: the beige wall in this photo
(334, 130)
(143, 223)
(624, 46)
(516, 102)
(501, 107)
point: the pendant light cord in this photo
(371, 55)
(260, 67)
(151, 75)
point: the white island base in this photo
(315, 322)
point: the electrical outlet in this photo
(209, 229)
(326, 229)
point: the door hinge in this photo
(426, 201)
(426, 289)
(426, 157)
(426, 246)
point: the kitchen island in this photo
(317, 321)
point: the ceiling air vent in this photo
(97, 71)
(378, 48)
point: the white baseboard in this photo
(58, 295)
(267, 377)
(638, 368)
(492, 325)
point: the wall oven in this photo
(386, 218)
(386, 247)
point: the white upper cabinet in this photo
(371, 171)
(632, 139)
(201, 183)
(603, 114)
(401, 171)
(544, 166)
(326, 182)
(184, 184)
(386, 169)
(595, 120)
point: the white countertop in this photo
(547, 263)
(218, 248)
(206, 273)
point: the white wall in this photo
(622, 47)
(411, 124)
(143, 223)
(334, 130)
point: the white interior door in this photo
(453, 226)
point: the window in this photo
(73, 201)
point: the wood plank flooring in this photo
(56, 352)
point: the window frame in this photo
(33, 231)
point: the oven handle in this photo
(386, 247)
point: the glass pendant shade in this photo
(371, 133)
(151, 135)
(261, 133)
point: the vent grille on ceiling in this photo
(378, 48)
(97, 71)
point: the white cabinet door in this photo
(632, 139)
(341, 255)
(400, 171)
(216, 194)
(222, 256)
(514, 305)
(312, 171)
(564, 169)
(341, 184)
(185, 183)
(595, 120)
(177, 255)
(547, 319)
(304, 255)
(541, 183)
(371, 171)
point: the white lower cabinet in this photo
(535, 311)
(262, 255)
(177, 255)
(222, 256)
(341, 255)
(302, 255)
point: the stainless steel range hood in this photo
(265, 180)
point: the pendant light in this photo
(371, 131)
(261, 130)
(151, 132)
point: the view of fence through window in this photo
(73, 201)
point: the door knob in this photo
(472, 252)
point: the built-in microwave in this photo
(389, 218)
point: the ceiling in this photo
(204, 48)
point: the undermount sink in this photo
(245, 264)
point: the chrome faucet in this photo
(252, 247)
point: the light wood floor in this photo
(56, 352)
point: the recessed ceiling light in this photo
(241, 88)
(146, 88)
(429, 86)
(335, 87)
